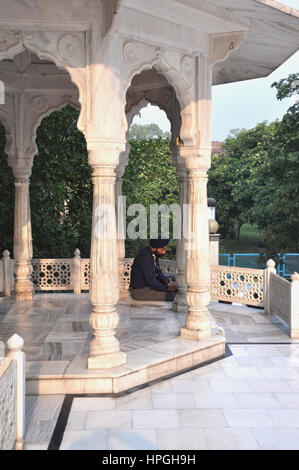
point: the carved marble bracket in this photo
(222, 44)
(179, 70)
(176, 98)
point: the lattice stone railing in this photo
(240, 285)
(52, 274)
(256, 287)
(284, 301)
(280, 296)
(12, 394)
(71, 274)
(85, 274)
(8, 405)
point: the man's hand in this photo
(172, 287)
(167, 281)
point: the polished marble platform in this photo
(246, 401)
(56, 332)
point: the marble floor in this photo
(248, 400)
(55, 327)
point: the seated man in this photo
(147, 279)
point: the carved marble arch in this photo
(151, 87)
(179, 71)
(77, 72)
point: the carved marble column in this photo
(104, 274)
(180, 304)
(24, 289)
(198, 324)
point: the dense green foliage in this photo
(256, 180)
(61, 188)
(150, 178)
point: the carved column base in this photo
(198, 322)
(196, 335)
(24, 289)
(104, 346)
(23, 292)
(107, 361)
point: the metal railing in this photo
(287, 263)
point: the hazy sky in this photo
(239, 104)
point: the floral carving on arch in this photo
(66, 49)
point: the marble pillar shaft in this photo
(198, 324)
(22, 240)
(104, 275)
(180, 304)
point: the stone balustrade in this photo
(284, 301)
(70, 274)
(12, 394)
(256, 287)
(239, 285)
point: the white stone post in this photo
(294, 306)
(104, 273)
(7, 272)
(198, 324)
(180, 304)
(77, 272)
(15, 344)
(214, 245)
(24, 289)
(270, 268)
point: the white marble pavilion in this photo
(109, 58)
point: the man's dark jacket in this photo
(146, 272)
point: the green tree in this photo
(147, 131)
(150, 178)
(61, 188)
(256, 180)
(229, 177)
(276, 198)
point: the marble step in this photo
(144, 365)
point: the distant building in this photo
(217, 148)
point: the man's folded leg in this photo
(146, 293)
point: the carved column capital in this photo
(105, 154)
(196, 158)
(21, 172)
